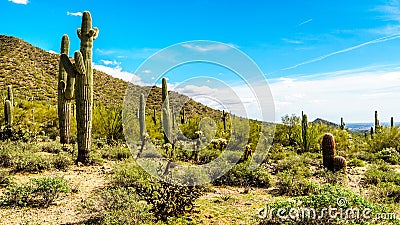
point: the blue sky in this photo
(330, 59)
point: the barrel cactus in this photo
(330, 161)
(328, 150)
(82, 71)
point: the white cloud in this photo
(353, 95)
(74, 13)
(118, 73)
(52, 52)
(109, 62)
(21, 2)
(146, 71)
(291, 41)
(206, 48)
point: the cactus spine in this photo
(376, 122)
(64, 104)
(166, 113)
(83, 72)
(304, 126)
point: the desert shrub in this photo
(118, 206)
(241, 175)
(356, 162)
(61, 161)
(107, 122)
(333, 178)
(37, 192)
(390, 155)
(166, 197)
(52, 147)
(4, 177)
(292, 184)
(381, 172)
(386, 192)
(115, 152)
(324, 197)
(208, 155)
(28, 162)
(385, 137)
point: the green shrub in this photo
(37, 192)
(4, 177)
(292, 184)
(61, 161)
(390, 155)
(386, 192)
(240, 175)
(382, 172)
(166, 198)
(119, 206)
(385, 137)
(115, 152)
(52, 147)
(356, 162)
(324, 197)
(29, 162)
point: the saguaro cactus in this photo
(376, 122)
(8, 113)
(342, 124)
(391, 122)
(304, 126)
(154, 116)
(10, 95)
(142, 122)
(64, 104)
(224, 118)
(183, 116)
(166, 113)
(83, 72)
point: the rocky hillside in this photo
(33, 73)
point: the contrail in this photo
(382, 39)
(304, 22)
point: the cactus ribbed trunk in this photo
(64, 104)
(82, 71)
(224, 119)
(142, 122)
(376, 122)
(304, 126)
(8, 113)
(391, 122)
(166, 113)
(10, 95)
(328, 150)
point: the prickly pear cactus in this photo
(83, 72)
(64, 104)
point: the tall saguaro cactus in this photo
(304, 126)
(224, 118)
(83, 72)
(142, 123)
(377, 126)
(10, 95)
(64, 104)
(342, 124)
(166, 113)
(8, 113)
